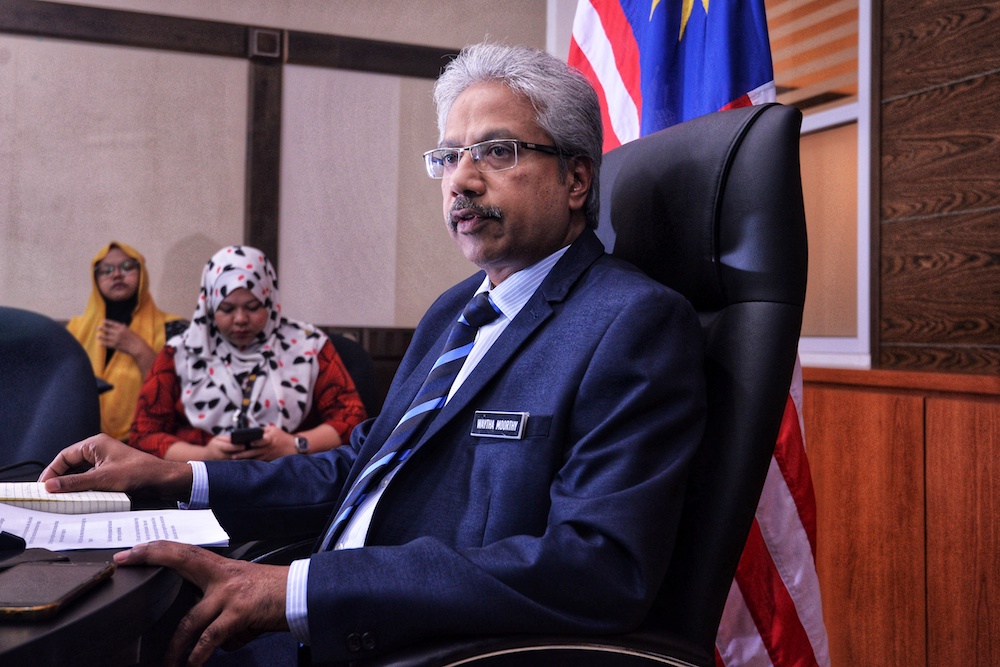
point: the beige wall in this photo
(103, 143)
(148, 147)
(429, 22)
(829, 187)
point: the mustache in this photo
(465, 203)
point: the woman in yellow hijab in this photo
(122, 330)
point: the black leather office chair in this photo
(359, 364)
(48, 392)
(713, 208)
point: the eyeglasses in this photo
(105, 270)
(492, 155)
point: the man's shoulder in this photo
(620, 279)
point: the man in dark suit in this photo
(543, 495)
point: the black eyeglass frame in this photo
(429, 161)
(106, 270)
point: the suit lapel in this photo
(539, 308)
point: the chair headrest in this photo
(705, 206)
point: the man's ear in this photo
(579, 177)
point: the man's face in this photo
(504, 221)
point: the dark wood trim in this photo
(122, 28)
(875, 191)
(263, 171)
(366, 55)
(156, 31)
(929, 382)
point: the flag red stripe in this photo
(770, 605)
(790, 454)
(741, 101)
(580, 61)
(619, 33)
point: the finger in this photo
(192, 631)
(218, 633)
(60, 465)
(84, 481)
(72, 457)
(248, 453)
(195, 564)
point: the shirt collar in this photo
(511, 295)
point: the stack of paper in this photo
(111, 530)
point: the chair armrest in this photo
(273, 552)
(634, 650)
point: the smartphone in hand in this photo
(246, 436)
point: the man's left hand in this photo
(241, 600)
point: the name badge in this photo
(508, 425)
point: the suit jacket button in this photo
(368, 641)
(354, 642)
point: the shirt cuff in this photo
(295, 600)
(199, 487)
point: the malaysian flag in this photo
(654, 64)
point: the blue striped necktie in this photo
(429, 399)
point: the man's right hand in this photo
(116, 467)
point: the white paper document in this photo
(111, 530)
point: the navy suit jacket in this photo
(566, 530)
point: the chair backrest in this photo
(48, 392)
(713, 208)
(361, 367)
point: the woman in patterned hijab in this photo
(243, 365)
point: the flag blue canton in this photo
(683, 77)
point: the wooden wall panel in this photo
(865, 454)
(941, 150)
(963, 532)
(932, 42)
(936, 308)
(958, 359)
(919, 452)
(938, 129)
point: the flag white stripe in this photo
(795, 391)
(738, 634)
(763, 94)
(593, 42)
(787, 542)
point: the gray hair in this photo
(565, 103)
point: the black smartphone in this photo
(38, 590)
(244, 436)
